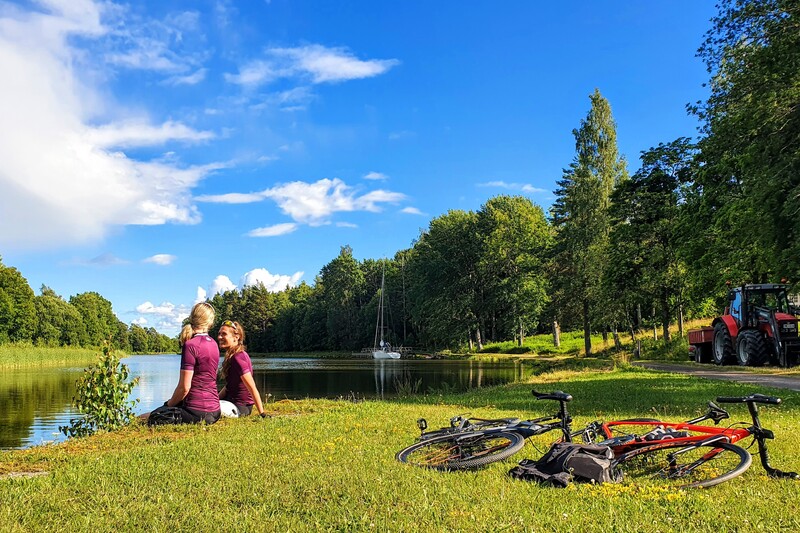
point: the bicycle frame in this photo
(696, 435)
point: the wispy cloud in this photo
(315, 63)
(102, 260)
(189, 79)
(273, 231)
(346, 225)
(412, 211)
(524, 187)
(376, 176)
(130, 134)
(311, 203)
(160, 259)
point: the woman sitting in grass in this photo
(195, 398)
(237, 371)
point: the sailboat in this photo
(382, 349)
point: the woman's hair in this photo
(232, 350)
(200, 320)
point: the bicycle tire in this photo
(480, 425)
(700, 466)
(463, 451)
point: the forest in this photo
(617, 250)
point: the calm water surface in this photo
(35, 402)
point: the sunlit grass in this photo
(22, 355)
(321, 465)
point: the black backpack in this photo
(567, 461)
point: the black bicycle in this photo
(470, 443)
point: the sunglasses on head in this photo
(230, 324)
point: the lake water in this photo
(35, 402)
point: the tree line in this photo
(86, 319)
(616, 251)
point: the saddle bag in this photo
(567, 461)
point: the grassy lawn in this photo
(321, 465)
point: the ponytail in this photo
(186, 334)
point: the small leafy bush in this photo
(102, 397)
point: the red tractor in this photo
(758, 327)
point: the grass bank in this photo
(27, 355)
(329, 466)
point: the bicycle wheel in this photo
(685, 466)
(464, 451)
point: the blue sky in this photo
(159, 151)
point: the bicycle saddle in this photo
(555, 395)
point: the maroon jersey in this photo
(201, 355)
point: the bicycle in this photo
(474, 442)
(686, 453)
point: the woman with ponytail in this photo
(195, 398)
(237, 371)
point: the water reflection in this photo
(35, 402)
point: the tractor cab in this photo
(756, 303)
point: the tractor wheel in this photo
(701, 354)
(723, 347)
(751, 350)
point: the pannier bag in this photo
(567, 461)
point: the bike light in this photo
(422, 424)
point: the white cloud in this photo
(141, 134)
(411, 211)
(524, 187)
(315, 62)
(273, 231)
(311, 203)
(201, 295)
(231, 198)
(272, 282)
(346, 225)
(165, 317)
(59, 174)
(220, 285)
(314, 203)
(160, 259)
(376, 176)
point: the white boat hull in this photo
(381, 354)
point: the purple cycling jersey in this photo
(235, 389)
(201, 355)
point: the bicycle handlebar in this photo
(753, 398)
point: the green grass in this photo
(321, 465)
(25, 355)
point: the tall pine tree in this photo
(581, 216)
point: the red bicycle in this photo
(688, 454)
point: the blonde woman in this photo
(237, 371)
(195, 398)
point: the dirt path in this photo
(712, 372)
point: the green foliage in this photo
(102, 397)
(17, 310)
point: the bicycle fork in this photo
(761, 435)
